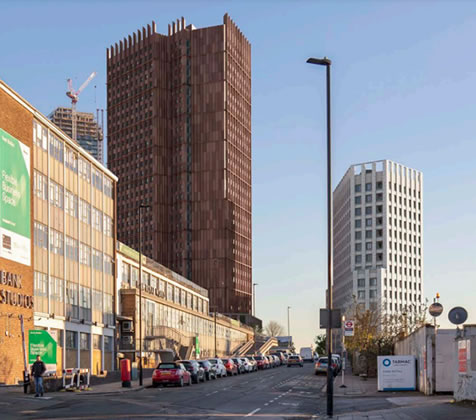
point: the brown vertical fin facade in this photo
(179, 126)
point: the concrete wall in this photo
(420, 344)
(435, 362)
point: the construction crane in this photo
(74, 95)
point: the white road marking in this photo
(211, 393)
(253, 412)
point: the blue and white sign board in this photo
(396, 373)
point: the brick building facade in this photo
(179, 138)
(70, 270)
(17, 122)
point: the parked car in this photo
(230, 367)
(253, 363)
(321, 366)
(239, 365)
(282, 358)
(246, 364)
(271, 361)
(295, 360)
(209, 369)
(219, 367)
(260, 362)
(171, 373)
(277, 360)
(339, 361)
(197, 372)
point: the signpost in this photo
(41, 343)
(348, 328)
(15, 235)
(396, 373)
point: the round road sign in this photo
(458, 315)
(435, 309)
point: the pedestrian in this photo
(37, 370)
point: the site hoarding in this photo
(15, 224)
(396, 373)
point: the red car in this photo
(171, 373)
(261, 362)
(230, 366)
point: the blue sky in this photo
(404, 88)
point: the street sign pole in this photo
(343, 353)
(26, 375)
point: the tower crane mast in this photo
(74, 95)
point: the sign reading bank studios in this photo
(12, 297)
(15, 223)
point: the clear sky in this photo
(404, 88)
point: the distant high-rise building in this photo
(179, 139)
(89, 133)
(378, 238)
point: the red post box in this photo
(126, 373)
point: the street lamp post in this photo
(330, 379)
(289, 325)
(254, 298)
(141, 376)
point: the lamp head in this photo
(319, 61)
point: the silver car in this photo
(246, 363)
(220, 367)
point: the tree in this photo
(376, 332)
(320, 342)
(273, 329)
(258, 330)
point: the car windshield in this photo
(323, 360)
(294, 357)
(167, 366)
(213, 361)
(258, 358)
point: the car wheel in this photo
(155, 384)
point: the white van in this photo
(306, 354)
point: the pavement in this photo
(279, 393)
(117, 388)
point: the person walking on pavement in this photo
(37, 370)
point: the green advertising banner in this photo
(15, 235)
(197, 346)
(41, 343)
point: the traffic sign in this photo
(435, 309)
(348, 328)
(458, 315)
